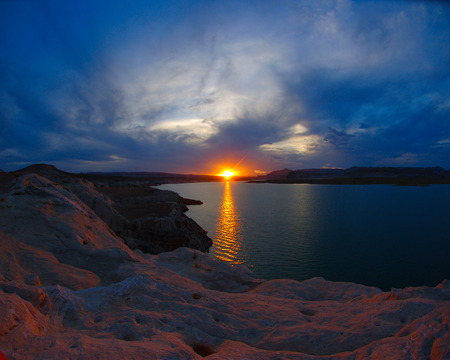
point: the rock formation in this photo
(70, 288)
(146, 218)
(278, 174)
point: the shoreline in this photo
(70, 287)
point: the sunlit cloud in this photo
(298, 129)
(301, 145)
(217, 86)
(116, 158)
(193, 131)
(296, 142)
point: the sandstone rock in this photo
(153, 221)
(47, 233)
(210, 273)
(146, 218)
(70, 288)
(20, 319)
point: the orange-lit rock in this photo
(71, 288)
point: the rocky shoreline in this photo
(90, 271)
(146, 218)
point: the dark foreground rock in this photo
(70, 288)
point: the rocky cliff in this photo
(70, 288)
(145, 218)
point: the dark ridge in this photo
(420, 176)
(156, 178)
(369, 172)
(40, 169)
(276, 174)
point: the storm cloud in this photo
(185, 86)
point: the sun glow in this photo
(228, 173)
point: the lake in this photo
(379, 235)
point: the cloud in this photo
(443, 143)
(338, 138)
(406, 159)
(191, 131)
(301, 145)
(169, 87)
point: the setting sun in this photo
(228, 173)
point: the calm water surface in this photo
(381, 235)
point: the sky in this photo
(199, 86)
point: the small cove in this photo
(379, 235)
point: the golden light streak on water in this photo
(228, 242)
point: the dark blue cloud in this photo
(178, 85)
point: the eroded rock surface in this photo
(70, 288)
(146, 218)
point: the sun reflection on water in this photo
(228, 241)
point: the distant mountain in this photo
(316, 173)
(151, 177)
(375, 172)
(139, 174)
(118, 178)
(46, 169)
(420, 176)
(40, 169)
(276, 174)
(353, 175)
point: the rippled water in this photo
(229, 234)
(380, 235)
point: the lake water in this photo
(380, 235)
